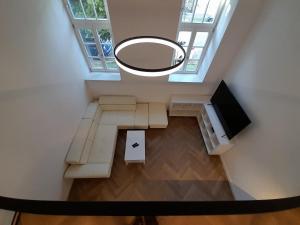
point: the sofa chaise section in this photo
(100, 157)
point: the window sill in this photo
(104, 76)
(185, 78)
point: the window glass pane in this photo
(111, 64)
(100, 9)
(92, 49)
(200, 11)
(76, 8)
(88, 6)
(191, 66)
(195, 53)
(106, 42)
(200, 39)
(188, 10)
(96, 63)
(87, 35)
(184, 38)
(212, 11)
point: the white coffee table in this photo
(137, 154)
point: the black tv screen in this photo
(229, 111)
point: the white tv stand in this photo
(215, 138)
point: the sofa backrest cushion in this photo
(117, 100)
(118, 103)
(118, 107)
(78, 142)
(141, 116)
(91, 136)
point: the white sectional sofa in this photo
(92, 150)
(158, 115)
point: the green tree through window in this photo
(100, 9)
(88, 7)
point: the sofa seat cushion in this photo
(78, 142)
(122, 119)
(88, 171)
(158, 115)
(141, 116)
(114, 103)
(103, 147)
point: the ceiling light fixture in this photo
(150, 72)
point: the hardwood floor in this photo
(177, 168)
(288, 217)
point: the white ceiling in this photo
(160, 18)
(145, 17)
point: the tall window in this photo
(90, 19)
(197, 22)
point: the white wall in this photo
(265, 78)
(160, 18)
(42, 96)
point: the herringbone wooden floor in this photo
(288, 217)
(177, 168)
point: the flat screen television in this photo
(232, 116)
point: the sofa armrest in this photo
(88, 171)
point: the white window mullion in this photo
(189, 48)
(83, 47)
(94, 7)
(106, 9)
(68, 8)
(92, 23)
(204, 51)
(204, 15)
(194, 10)
(177, 34)
(197, 26)
(218, 14)
(82, 9)
(99, 48)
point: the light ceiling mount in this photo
(150, 72)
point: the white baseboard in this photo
(238, 193)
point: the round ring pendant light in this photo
(150, 72)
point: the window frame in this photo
(194, 28)
(95, 25)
